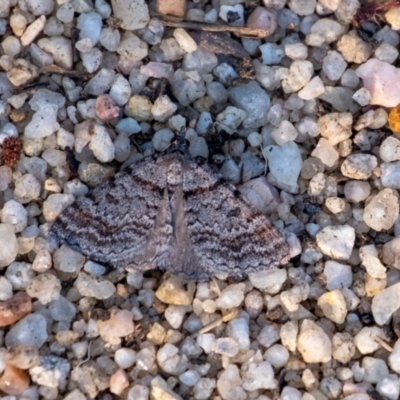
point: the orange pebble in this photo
(15, 308)
(118, 382)
(394, 119)
(14, 381)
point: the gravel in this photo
(307, 126)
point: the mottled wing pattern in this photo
(124, 221)
(227, 234)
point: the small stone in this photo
(139, 108)
(382, 211)
(8, 245)
(133, 14)
(337, 275)
(380, 79)
(284, 173)
(284, 133)
(312, 89)
(365, 339)
(271, 53)
(101, 82)
(277, 355)
(175, 315)
(162, 139)
(356, 191)
(261, 18)
(385, 303)
(269, 281)
(390, 149)
(254, 100)
(156, 334)
(343, 348)
(333, 306)
(358, 166)
(43, 122)
(15, 308)
(325, 152)
(300, 73)
(172, 7)
(55, 204)
(226, 347)
(231, 296)
(335, 204)
(313, 343)
(138, 392)
(118, 382)
(90, 378)
(51, 372)
(157, 70)
(389, 387)
(22, 356)
(354, 49)
(175, 290)
(22, 72)
(268, 335)
(259, 376)
(101, 144)
(230, 119)
(31, 330)
(336, 242)
(389, 175)
(375, 369)
(185, 40)
(97, 287)
(33, 30)
(125, 357)
(14, 381)
(238, 330)
(45, 287)
(106, 109)
(163, 108)
(229, 384)
(59, 48)
(336, 127)
(391, 253)
(119, 325)
(362, 97)
(232, 14)
(160, 390)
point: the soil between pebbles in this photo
(304, 125)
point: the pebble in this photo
(313, 343)
(359, 166)
(51, 372)
(8, 245)
(336, 242)
(119, 382)
(259, 376)
(391, 253)
(254, 100)
(45, 287)
(32, 31)
(106, 109)
(382, 211)
(312, 89)
(375, 369)
(43, 123)
(133, 14)
(365, 339)
(229, 384)
(14, 381)
(97, 287)
(31, 330)
(356, 191)
(163, 108)
(101, 144)
(232, 296)
(159, 389)
(336, 127)
(54, 204)
(385, 303)
(380, 79)
(389, 150)
(176, 291)
(14, 308)
(284, 173)
(333, 306)
(300, 73)
(59, 48)
(337, 275)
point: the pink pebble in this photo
(157, 70)
(350, 388)
(119, 382)
(261, 18)
(382, 80)
(106, 109)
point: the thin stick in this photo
(241, 31)
(383, 343)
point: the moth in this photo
(172, 211)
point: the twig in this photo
(383, 344)
(55, 69)
(241, 31)
(226, 318)
(87, 358)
